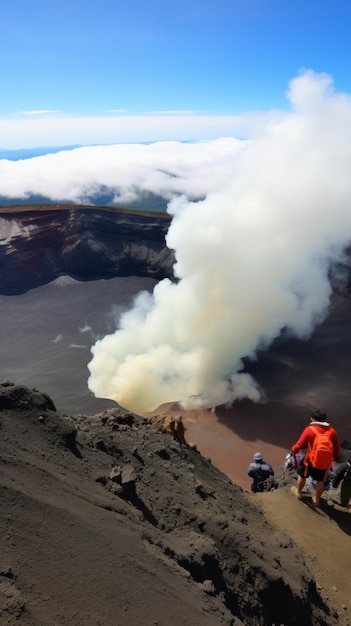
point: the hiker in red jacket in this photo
(311, 467)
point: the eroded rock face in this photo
(38, 244)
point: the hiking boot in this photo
(295, 492)
(315, 501)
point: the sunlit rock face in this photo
(40, 243)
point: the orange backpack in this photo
(321, 453)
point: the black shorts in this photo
(316, 474)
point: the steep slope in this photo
(107, 520)
(323, 534)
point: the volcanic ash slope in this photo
(107, 520)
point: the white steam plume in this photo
(252, 259)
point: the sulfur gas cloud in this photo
(252, 258)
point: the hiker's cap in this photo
(257, 456)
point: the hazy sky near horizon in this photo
(105, 72)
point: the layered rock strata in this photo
(40, 243)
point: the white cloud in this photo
(40, 112)
(117, 111)
(60, 130)
(164, 168)
(175, 112)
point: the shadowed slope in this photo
(118, 521)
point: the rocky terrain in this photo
(41, 242)
(114, 519)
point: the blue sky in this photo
(137, 58)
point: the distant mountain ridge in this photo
(103, 196)
(29, 153)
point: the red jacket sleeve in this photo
(302, 442)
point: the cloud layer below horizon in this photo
(126, 170)
(252, 256)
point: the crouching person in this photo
(260, 471)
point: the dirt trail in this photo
(324, 535)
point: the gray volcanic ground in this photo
(46, 335)
(107, 520)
